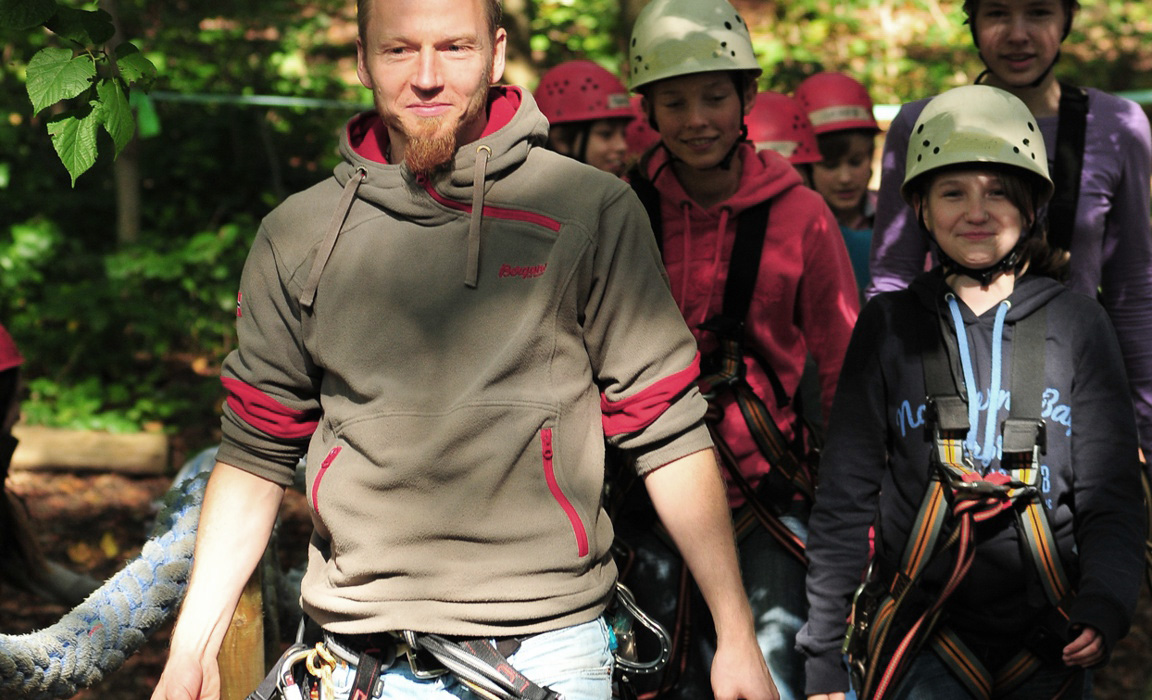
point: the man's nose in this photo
(427, 70)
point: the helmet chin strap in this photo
(983, 275)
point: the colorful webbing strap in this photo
(753, 511)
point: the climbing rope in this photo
(113, 623)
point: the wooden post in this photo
(241, 655)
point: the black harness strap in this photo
(726, 367)
(1070, 139)
(649, 196)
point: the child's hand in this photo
(1086, 650)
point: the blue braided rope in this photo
(115, 621)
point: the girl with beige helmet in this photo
(984, 432)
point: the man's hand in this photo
(236, 520)
(186, 677)
(827, 696)
(739, 673)
(1086, 650)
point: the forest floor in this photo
(95, 523)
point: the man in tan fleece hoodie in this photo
(474, 430)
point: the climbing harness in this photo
(890, 622)
(480, 664)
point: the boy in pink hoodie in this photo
(760, 272)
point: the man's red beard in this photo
(432, 143)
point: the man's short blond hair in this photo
(493, 11)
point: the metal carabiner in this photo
(628, 601)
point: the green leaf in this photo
(86, 27)
(74, 138)
(26, 14)
(115, 113)
(134, 68)
(147, 120)
(54, 75)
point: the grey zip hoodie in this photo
(453, 355)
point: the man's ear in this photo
(362, 65)
(499, 48)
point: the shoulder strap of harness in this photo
(650, 197)
(728, 368)
(1070, 138)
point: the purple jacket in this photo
(1111, 246)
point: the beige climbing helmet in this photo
(977, 124)
(679, 37)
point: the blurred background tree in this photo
(121, 290)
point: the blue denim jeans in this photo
(574, 661)
(774, 583)
(928, 678)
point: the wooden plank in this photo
(55, 448)
(241, 656)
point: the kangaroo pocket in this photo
(413, 501)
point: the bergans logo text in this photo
(522, 271)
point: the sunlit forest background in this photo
(121, 289)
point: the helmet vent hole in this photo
(1030, 127)
(927, 143)
(935, 150)
(728, 25)
(1015, 149)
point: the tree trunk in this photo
(126, 169)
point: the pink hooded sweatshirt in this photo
(9, 355)
(805, 299)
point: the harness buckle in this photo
(1024, 435)
(948, 412)
(422, 663)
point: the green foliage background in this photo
(122, 334)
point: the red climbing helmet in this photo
(777, 122)
(578, 91)
(835, 102)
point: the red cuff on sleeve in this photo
(640, 410)
(265, 413)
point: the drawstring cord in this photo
(324, 252)
(472, 272)
(994, 390)
(715, 264)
